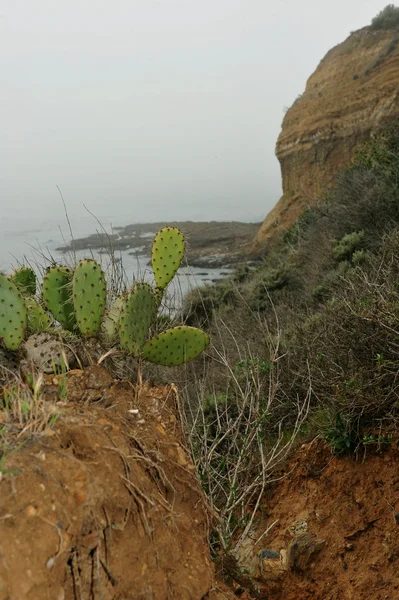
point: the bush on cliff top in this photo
(387, 18)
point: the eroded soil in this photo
(106, 505)
(351, 504)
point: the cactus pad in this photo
(25, 280)
(38, 319)
(176, 346)
(12, 314)
(167, 255)
(57, 295)
(110, 324)
(89, 296)
(136, 318)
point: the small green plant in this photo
(252, 366)
(25, 280)
(5, 452)
(340, 434)
(377, 439)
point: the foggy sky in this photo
(155, 109)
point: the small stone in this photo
(79, 496)
(30, 511)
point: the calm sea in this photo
(34, 240)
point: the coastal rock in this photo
(352, 93)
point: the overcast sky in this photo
(155, 109)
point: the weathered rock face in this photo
(354, 90)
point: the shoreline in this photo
(209, 244)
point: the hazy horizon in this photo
(147, 110)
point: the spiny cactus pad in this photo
(57, 295)
(176, 346)
(12, 314)
(167, 254)
(25, 280)
(38, 319)
(110, 324)
(136, 318)
(89, 296)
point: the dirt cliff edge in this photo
(352, 93)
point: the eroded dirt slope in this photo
(106, 506)
(350, 507)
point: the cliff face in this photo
(354, 90)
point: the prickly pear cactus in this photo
(25, 280)
(89, 296)
(48, 353)
(167, 254)
(38, 319)
(110, 323)
(176, 346)
(57, 295)
(12, 314)
(136, 318)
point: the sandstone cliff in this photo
(354, 90)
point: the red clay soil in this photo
(106, 506)
(352, 503)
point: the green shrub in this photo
(387, 18)
(340, 434)
(344, 248)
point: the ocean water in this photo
(34, 240)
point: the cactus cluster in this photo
(174, 346)
(77, 299)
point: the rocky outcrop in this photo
(354, 90)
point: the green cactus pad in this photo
(136, 318)
(57, 295)
(38, 319)
(25, 280)
(110, 323)
(167, 255)
(12, 314)
(89, 296)
(176, 346)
